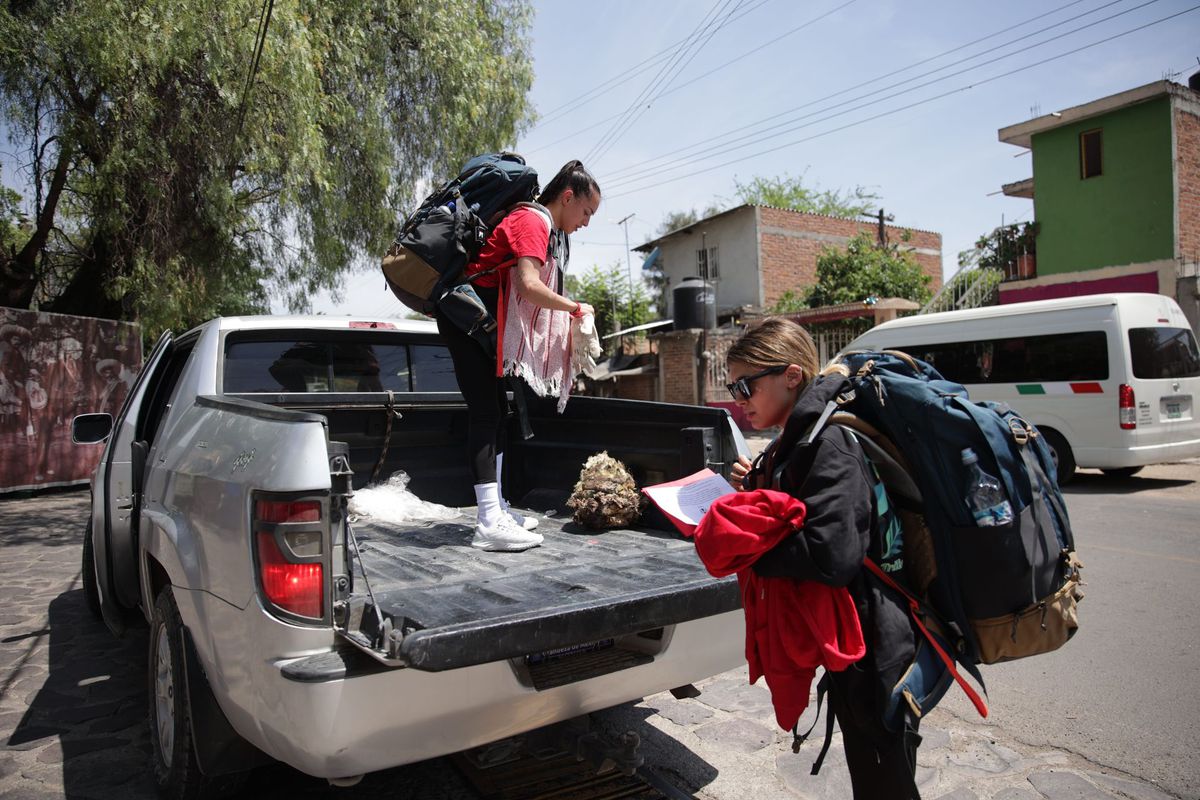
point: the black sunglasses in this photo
(740, 389)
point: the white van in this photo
(1109, 379)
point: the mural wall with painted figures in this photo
(53, 367)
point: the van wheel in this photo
(1064, 459)
(91, 593)
(1122, 472)
(173, 754)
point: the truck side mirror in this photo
(91, 428)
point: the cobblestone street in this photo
(73, 714)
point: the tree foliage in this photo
(618, 305)
(791, 193)
(862, 270)
(672, 221)
(13, 228)
(164, 191)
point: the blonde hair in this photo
(776, 341)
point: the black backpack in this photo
(448, 230)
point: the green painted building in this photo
(1116, 196)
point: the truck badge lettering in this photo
(243, 460)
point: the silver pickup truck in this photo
(281, 628)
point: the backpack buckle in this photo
(1021, 430)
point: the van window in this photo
(1077, 356)
(1164, 353)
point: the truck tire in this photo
(177, 772)
(91, 593)
(1064, 459)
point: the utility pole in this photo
(628, 266)
(883, 220)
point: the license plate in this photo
(1174, 410)
(562, 652)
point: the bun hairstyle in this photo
(572, 176)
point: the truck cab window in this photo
(432, 370)
(337, 364)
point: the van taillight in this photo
(289, 539)
(1127, 408)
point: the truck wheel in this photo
(91, 593)
(1064, 459)
(173, 754)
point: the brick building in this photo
(1116, 196)
(754, 254)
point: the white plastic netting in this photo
(393, 502)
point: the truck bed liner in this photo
(460, 606)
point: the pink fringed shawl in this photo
(534, 342)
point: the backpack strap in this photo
(918, 612)
(808, 438)
(798, 739)
(544, 214)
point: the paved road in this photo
(1126, 691)
(1096, 720)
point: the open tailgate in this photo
(454, 606)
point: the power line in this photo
(688, 42)
(753, 50)
(690, 151)
(264, 20)
(890, 112)
(666, 83)
(619, 126)
(622, 78)
(757, 138)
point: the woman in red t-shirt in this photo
(514, 254)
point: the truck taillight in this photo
(1127, 407)
(289, 540)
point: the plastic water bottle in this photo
(985, 496)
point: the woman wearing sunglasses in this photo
(776, 381)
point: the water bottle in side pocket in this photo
(985, 495)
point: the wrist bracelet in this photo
(577, 312)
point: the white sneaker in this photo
(527, 522)
(507, 537)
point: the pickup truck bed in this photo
(463, 606)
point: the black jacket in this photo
(832, 477)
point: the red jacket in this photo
(792, 627)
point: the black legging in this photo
(882, 764)
(483, 391)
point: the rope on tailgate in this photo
(387, 436)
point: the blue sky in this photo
(937, 165)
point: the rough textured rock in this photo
(605, 495)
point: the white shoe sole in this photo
(482, 543)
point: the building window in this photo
(708, 264)
(1089, 154)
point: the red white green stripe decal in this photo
(1060, 387)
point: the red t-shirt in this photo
(522, 233)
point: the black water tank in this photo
(1194, 82)
(695, 304)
